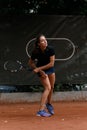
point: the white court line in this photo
(66, 39)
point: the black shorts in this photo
(48, 71)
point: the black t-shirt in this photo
(43, 58)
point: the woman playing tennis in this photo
(45, 56)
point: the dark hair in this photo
(38, 40)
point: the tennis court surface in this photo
(22, 116)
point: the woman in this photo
(45, 56)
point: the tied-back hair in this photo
(36, 47)
(38, 40)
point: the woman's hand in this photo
(41, 72)
(36, 70)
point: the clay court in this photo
(22, 116)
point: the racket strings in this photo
(13, 66)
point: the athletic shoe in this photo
(50, 108)
(43, 113)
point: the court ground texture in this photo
(22, 116)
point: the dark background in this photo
(21, 21)
(20, 7)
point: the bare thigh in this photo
(52, 79)
(46, 82)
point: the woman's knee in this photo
(52, 87)
(48, 88)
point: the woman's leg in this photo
(52, 82)
(47, 88)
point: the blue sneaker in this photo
(43, 113)
(50, 108)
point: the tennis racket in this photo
(16, 66)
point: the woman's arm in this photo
(49, 65)
(32, 63)
(33, 66)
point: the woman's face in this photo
(42, 43)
